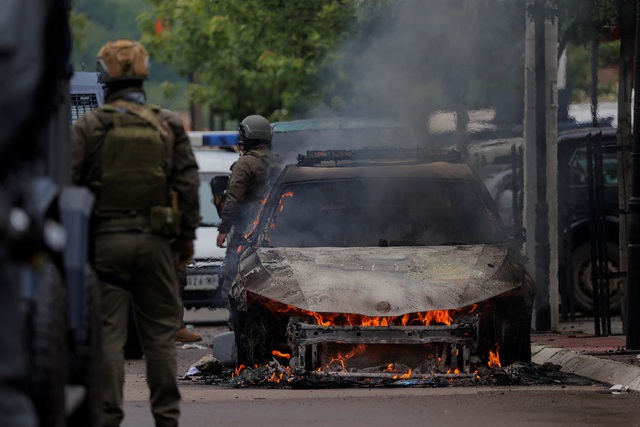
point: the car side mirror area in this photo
(218, 191)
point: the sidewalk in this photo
(577, 349)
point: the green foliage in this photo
(281, 58)
(287, 58)
(579, 70)
(95, 22)
(246, 57)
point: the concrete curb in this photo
(603, 370)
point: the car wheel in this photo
(86, 359)
(582, 283)
(256, 332)
(48, 348)
(506, 333)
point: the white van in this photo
(202, 274)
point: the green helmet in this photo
(254, 127)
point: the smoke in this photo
(415, 58)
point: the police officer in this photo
(138, 160)
(246, 189)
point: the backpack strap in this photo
(148, 113)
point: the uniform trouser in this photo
(138, 267)
(16, 409)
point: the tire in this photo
(48, 351)
(507, 333)
(582, 284)
(256, 334)
(86, 359)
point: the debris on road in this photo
(277, 375)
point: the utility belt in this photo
(161, 220)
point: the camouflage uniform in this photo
(246, 189)
(136, 265)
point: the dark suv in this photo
(494, 162)
(386, 255)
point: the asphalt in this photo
(577, 349)
(574, 347)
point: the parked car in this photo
(494, 162)
(384, 255)
(202, 287)
(338, 133)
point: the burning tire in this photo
(257, 333)
(505, 332)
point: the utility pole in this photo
(542, 249)
(540, 168)
(633, 269)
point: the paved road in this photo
(454, 406)
(203, 405)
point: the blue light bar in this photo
(220, 139)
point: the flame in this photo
(339, 358)
(238, 370)
(257, 220)
(281, 202)
(276, 353)
(407, 375)
(494, 359)
(435, 317)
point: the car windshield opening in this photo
(376, 212)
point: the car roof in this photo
(213, 160)
(382, 170)
(582, 133)
(336, 123)
(297, 136)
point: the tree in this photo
(414, 58)
(250, 57)
(402, 58)
(95, 22)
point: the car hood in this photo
(389, 281)
(205, 247)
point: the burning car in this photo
(379, 262)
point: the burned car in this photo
(379, 262)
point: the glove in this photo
(184, 251)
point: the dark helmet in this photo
(122, 59)
(254, 130)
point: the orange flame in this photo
(494, 359)
(255, 222)
(276, 353)
(238, 370)
(281, 202)
(435, 317)
(339, 359)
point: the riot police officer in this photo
(246, 189)
(137, 158)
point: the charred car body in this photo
(380, 258)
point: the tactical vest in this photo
(271, 164)
(133, 178)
